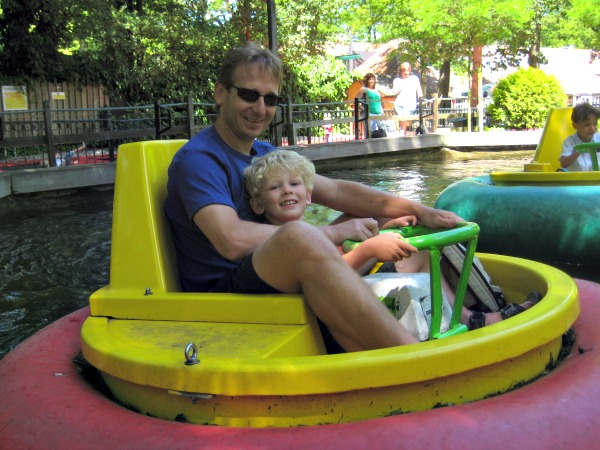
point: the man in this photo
(222, 248)
(407, 88)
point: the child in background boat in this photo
(279, 186)
(585, 121)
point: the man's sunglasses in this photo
(251, 96)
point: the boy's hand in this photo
(355, 229)
(388, 247)
(400, 222)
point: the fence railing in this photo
(54, 137)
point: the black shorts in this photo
(245, 280)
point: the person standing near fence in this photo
(368, 94)
(407, 88)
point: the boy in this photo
(585, 121)
(279, 186)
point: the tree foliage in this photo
(444, 34)
(523, 99)
(317, 78)
(146, 50)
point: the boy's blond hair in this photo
(276, 161)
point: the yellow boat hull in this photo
(249, 375)
(262, 361)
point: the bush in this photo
(523, 99)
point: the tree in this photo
(146, 50)
(585, 18)
(35, 36)
(523, 99)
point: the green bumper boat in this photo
(540, 213)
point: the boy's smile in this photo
(283, 198)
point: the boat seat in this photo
(144, 282)
(557, 128)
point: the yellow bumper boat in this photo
(259, 361)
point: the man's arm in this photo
(359, 200)
(233, 238)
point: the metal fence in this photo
(53, 137)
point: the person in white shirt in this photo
(407, 88)
(585, 121)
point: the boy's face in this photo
(586, 128)
(283, 198)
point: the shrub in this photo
(523, 99)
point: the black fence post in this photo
(277, 134)
(291, 131)
(49, 136)
(356, 113)
(435, 112)
(420, 130)
(308, 133)
(190, 117)
(358, 119)
(157, 119)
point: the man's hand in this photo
(353, 229)
(438, 218)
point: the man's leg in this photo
(299, 258)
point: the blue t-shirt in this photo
(205, 171)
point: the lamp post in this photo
(272, 26)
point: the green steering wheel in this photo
(434, 240)
(591, 148)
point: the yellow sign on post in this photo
(14, 98)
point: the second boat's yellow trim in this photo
(543, 178)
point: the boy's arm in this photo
(568, 156)
(566, 161)
(383, 247)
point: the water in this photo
(56, 250)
